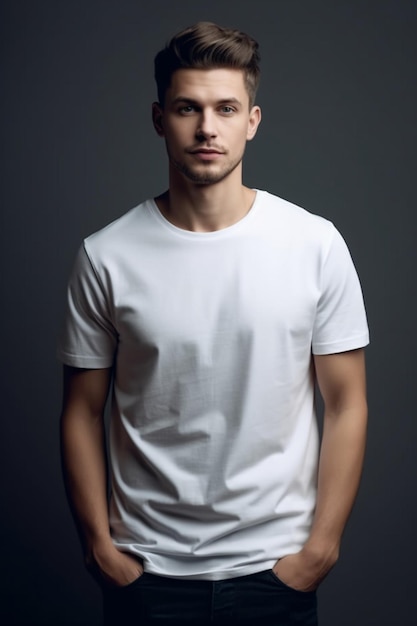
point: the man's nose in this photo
(207, 125)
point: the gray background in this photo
(338, 137)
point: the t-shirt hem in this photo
(217, 575)
(85, 362)
(353, 343)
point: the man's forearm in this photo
(341, 379)
(84, 463)
(340, 468)
(84, 466)
(85, 473)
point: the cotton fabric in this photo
(213, 437)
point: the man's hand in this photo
(111, 567)
(303, 571)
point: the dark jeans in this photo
(260, 599)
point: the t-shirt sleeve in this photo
(340, 323)
(89, 337)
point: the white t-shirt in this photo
(213, 436)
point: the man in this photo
(210, 312)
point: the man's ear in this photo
(255, 117)
(157, 118)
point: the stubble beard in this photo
(204, 174)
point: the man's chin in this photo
(206, 176)
(206, 180)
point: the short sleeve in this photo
(340, 323)
(88, 338)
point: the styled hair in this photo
(208, 46)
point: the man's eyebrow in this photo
(185, 100)
(230, 101)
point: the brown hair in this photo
(205, 46)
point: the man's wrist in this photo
(321, 554)
(97, 547)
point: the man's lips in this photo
(206, 151)
(206, 154)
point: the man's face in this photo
(206, 122)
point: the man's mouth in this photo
(206, 151)
(206, 154)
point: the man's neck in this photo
(205, 208)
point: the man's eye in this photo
(187, 109)
(227, 109)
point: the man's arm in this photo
(341, 380)
(85, 473)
